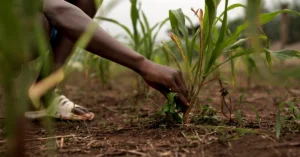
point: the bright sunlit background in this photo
(158, 10)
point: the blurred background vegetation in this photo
(20, 29)
(151, 34)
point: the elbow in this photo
(54, 11)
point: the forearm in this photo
(73, 22)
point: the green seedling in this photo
(257, 116)
(171, 109)
(293, 111)
(208, 111)
(280, 120)
(286, 116)
(208, 115)
(239, 116)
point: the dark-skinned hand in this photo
(165, 80)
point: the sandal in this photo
(62, 108)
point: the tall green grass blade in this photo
(264, 18)
(194, 39)
(239, 54)
(231, 7)
(199, 63)
(232, 71)
(148, 34)
(237, 44)
(126, 29)
(134, 19)
(209, 18)
(149, 42)
(145, 38)
(224, 25)
(82, 42)
(219, 48)
(18, 44)
(168, 50)
(43, 50)
(104, 10)
(145, 19)
(161, 24)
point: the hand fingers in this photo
(172, 87)
(181, 98)
(182, 80)
(181, 85)
(162, 89)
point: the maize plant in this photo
(142, 37)
(20, 27)
(210, 42)
(22, 65)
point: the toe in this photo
(83, 113)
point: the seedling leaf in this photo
(279, 120)
(284, 54)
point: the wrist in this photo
(143, 66)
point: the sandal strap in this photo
(60, 107)
(63, 106)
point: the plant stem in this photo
(191, 104)
(210, 81)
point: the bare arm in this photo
(73, 22)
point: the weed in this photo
(208, 115)
(239, 116)
(280, 120)
(257, 116)
(286, 117)
(214, 42)
(171, 109)
(293, 111)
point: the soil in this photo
(128, 124)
